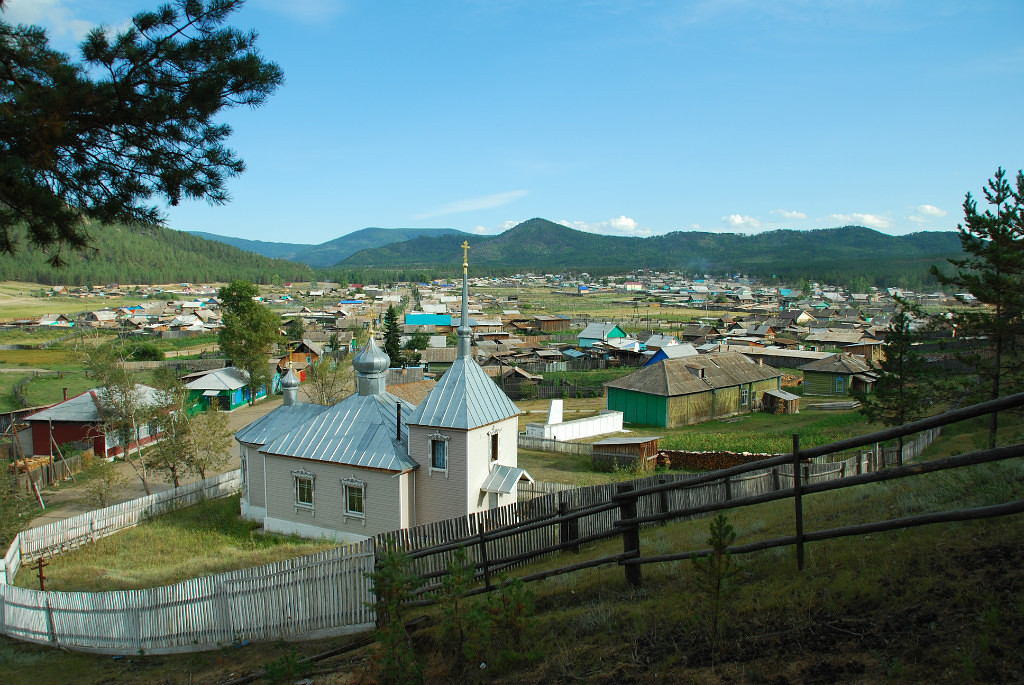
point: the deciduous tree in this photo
(250, 331)
(328, 381)
(136, 118)
(993, 273)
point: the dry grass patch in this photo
(201, 540)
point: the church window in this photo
(303, 488)
(494, 447)
(438, 452)
(355, 497)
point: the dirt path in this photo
(67, 499)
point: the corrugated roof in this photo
(358, 431)
(85, 407)
(503, 479)
(838, 363)
(228, 378)
(464, 398)
(672, 377)
(275, 423)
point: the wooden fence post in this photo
(776, 485)
(798, 503)
(483, 556)
(630, 534)
(728, 488)
(663, 500)
(568, 531)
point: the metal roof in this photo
(228, 378)
(464, 398)
(672, 377)
(358, 431)
(275, 423)
(838, 363)
(503, 479)
(85, 408)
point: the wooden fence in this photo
(528, 442)
(328, 593)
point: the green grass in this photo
(31, 336)
(935, 604)
(196, 541)
(556, 467)
(767, 433)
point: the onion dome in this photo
(290, 380)
(371, 360)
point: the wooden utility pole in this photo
(39, 568)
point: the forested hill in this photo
(830, 255)
(333, 251)
(148, 255)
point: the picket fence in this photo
(327, 593)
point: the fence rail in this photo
(328, 593)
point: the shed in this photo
(639, 453)
(780, 402)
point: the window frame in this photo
(840, 385)
(299, 478)
(434, 440)
(351, 486)
(744, 396)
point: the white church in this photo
(373, 462)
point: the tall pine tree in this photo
(993, 274)
(393, 337)
(904, 391)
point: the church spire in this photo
(464, 331)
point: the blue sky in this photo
(615, 117)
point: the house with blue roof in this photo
(373, 462)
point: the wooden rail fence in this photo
(328, 593)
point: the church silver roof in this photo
(282, 419)
(464, 398)
(358, 431)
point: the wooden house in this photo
(79, 421)
(838, 375)
(226, 389)
(688, 390)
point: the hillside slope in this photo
(152, 254)
(538, 245)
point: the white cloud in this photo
(869, 220)
(926, 213)
(930, 210)
(622, 225)
(741, 221)
(58, 20)
(475, 203)
(786, 214)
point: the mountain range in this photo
(850, 255)
(333, 251)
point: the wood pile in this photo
(32, 463)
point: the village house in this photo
(676, 392)
(838, 375)
(79, 421)
(225, 389)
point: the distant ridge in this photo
(333, 251)
(149, 254)
(828, 255)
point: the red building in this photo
(79, 422)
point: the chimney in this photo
(398, 423)
(65, 394)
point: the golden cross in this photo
(465, 254)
